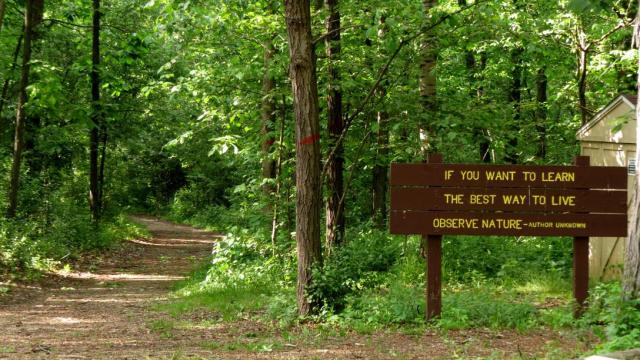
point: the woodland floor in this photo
(106, 310)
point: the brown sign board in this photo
(438, 199)
(478, 223)
(449, 199)
(504, 176)
(509, 199)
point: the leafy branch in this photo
(382, 73)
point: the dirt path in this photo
(106, 311)
(103, 311)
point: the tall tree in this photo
(7, 80)
(586, 45)
(381, 168)
(541, 112)
(515, 98)
(3, 7)
(308, 188)
(476, 92)
(380, 181)
(268, 118)
(428, 80)
(31, 19)
(335, 219)
(631, 274)
(95, 200)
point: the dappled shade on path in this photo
(106, 310)
(103, 310)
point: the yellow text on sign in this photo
(509, 199)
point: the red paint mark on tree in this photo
(310, 139)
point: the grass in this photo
(490, 308)
(5, 349)
(377, 294)
(229, 304)
(163, 327)
(266, 345)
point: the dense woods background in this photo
(276, 123)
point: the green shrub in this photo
(398, 304)
(481, 309)
(357, 265)
(615, 320)
(505, 258)
(28, 246)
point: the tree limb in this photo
(383, 72)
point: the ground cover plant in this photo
(376, 283)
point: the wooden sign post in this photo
(436, 199)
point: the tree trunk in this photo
(268, 116)
(103, 157)
(308, 187)
(631, 273)
(583, 62)
(428, 83)
(274, 220)
(3, 7)
(14, 65)
(335, 220)
(18, 143)
(95, 202)
(476, 93)
(541, 113)
(515, 97)
(381, 170)
(380, 182)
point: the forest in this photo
(274, 123)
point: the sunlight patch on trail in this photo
(106, 300)
(65, 321)
(121, 277)
(177, 242)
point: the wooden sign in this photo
(434, 199)
(455, 223)
(439, 199)
(506, 176)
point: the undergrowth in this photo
(375, 281)
(33, 245)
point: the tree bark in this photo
(308, 188)
(103, 157)
(18, 142)
(274, 220)
(631, 273)
(335, 216)
(476, 93)
(3, 7)
(95, 202)
(7, 81)
(380, 181)
(515, 97)
(268, 120)
(381, 170)
(428, 83)
(583, 61)
(541, 113)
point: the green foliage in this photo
(240, 279)
(615, 320)
(398, 304)
(355, 266)
(466, 258)
(477, 309)
(27, 247)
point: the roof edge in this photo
(622, 98)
